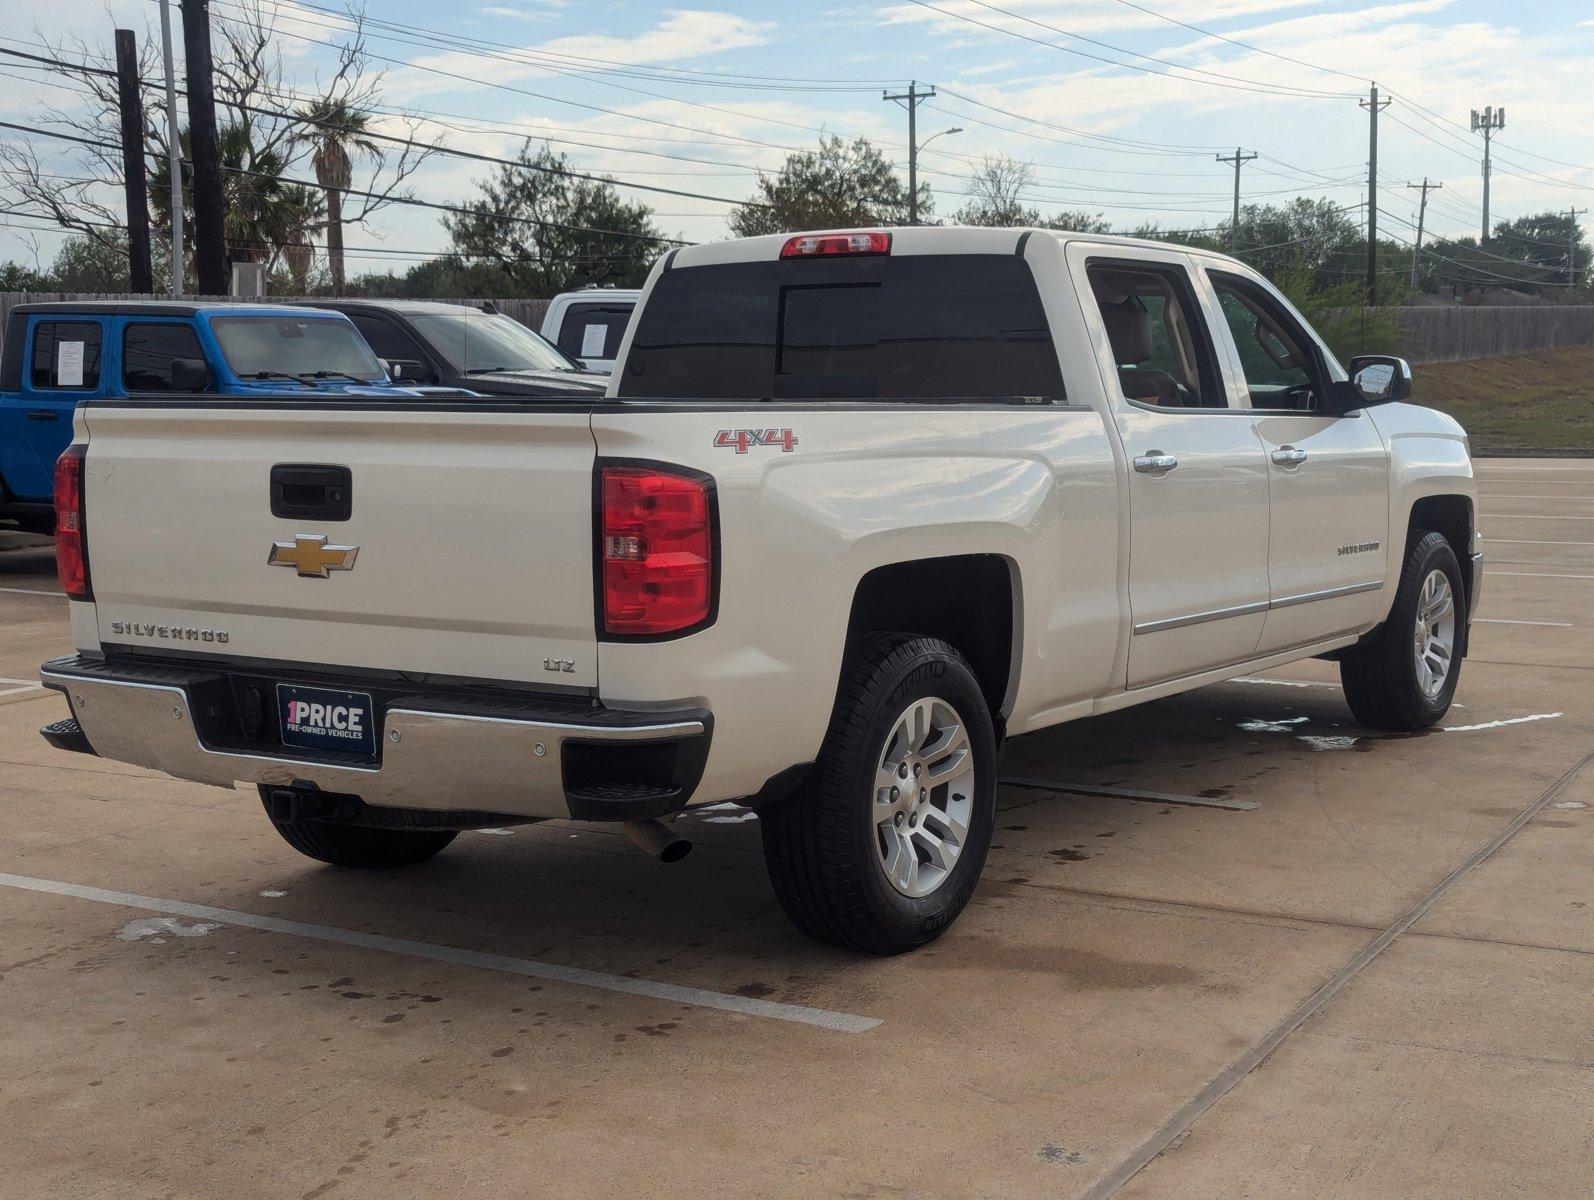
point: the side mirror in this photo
(408, 370)
(190, 375)
(1380, 379)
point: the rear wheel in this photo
(1404, 676)
(362, 846)
(881, 849)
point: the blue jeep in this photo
(58, 354)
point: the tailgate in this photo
(467, 549)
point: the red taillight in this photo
(655, 551)
(71, 551)
(833, 245)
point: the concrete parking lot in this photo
(1327, 963)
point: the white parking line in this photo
(1538, 575)
(32, 592)
(1532, 542)
(1513, 496)
(1297, 683)
(1500, 516)
(820, 1018)
(1509, 621)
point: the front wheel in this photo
(1404, 676)
(881, 849)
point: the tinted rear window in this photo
(917, 327)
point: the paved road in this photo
(1300, 998)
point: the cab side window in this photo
(66, 354)
(594, 330)
(1282, 368)
(1159, 341)
(390, 343)
(149, 350)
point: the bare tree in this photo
(277, 124)
(996, 194)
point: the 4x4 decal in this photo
(743, 439)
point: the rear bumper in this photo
(1476, 596)
(467, 752)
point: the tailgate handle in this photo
(310, 492)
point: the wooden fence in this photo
(1430, 334)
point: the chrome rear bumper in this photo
(514, 758)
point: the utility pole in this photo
(1486, 122)
(1234, 225)
(1571, 249)
(139, 274)
(1422, 214)
(913, 95)
(210, 243)
(1373, 105)
(174, 149)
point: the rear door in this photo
(465, 551)
(61, 367)
(1198, 484)
(1328, 475)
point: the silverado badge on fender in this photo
(311, 556)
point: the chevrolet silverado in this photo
(856, 507)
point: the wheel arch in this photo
(1452, 515)
(971, 601)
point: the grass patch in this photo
(1531, 402)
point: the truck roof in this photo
(920, 239)
(155, 308)
(345, 303)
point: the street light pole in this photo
(174, 149)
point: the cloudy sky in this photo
(1120, 108)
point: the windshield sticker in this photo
(592, 341)
(69, 364)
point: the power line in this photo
(1211, 78)
(410, 200)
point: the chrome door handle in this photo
(1289, 456)
(1155, 463)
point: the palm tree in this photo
(337, 131)
(263, 217)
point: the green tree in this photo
(336, 133)
(263, 218)
(841, 185)
(85, 264)
(16, 277)
(1339, 313)
(549, 231)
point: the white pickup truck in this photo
(857, 507)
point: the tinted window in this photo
(1159, 340)
(1279, 360)
(473, 340)
(263, 347)
(928, 327)
(594, 330)
(66, 354)
(147, 353)
(386, 338)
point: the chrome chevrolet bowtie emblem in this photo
(311, 556)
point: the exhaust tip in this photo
(658, 840)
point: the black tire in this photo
(360, 846)
(1380, 674)
(820, 844)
